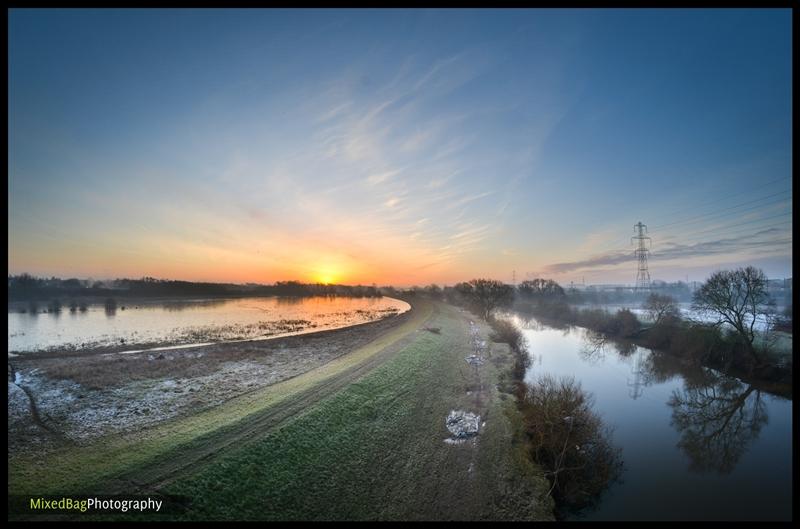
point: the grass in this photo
(372, 451)
(375, 451)
(81, 469)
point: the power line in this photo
(741, 223)
(726, 197)
(774, 242)
(713, 213)
(726, 231)
(697, 237)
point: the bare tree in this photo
(661, 308)
(738, 298)
(486, 295)
(542, 288)
(433, 290)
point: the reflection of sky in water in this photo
(188, 321)
(696, 444)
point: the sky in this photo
(402, 146)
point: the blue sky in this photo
(398, 146)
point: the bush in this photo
(660, 336)
(596, 320)
(568, 439)
(627, 323)
(699, 344)
(503, 331)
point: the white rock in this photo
(462, 423)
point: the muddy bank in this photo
(76, 399)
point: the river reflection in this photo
(717, 416)
(696, 444)
(717, 422)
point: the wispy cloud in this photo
(761, 241)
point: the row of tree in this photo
(735, 299)
(25, 287)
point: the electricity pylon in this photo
(643, 274)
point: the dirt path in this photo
(173, 464)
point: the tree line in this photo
(737, 302)
(26, 287)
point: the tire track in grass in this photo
(169, 466)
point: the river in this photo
(696, 444)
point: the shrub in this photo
(596, 320)
(569, 440)
(504, 331)
(628, 323)
(699, 343)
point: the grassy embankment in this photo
(372, 450)
(376, 450)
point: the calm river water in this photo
(190, 321)
(695, 444)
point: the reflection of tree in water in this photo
(593, 347)
(648, 367)
(717, 422)
(625, 348)
(717, 416)
(180, 305)
(289, 300)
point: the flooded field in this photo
(686, 311)
(136, 325)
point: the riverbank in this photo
(690, 342)
(360, 437)
(696, 444)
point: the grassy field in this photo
(372, 448)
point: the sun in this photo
(326, 275)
